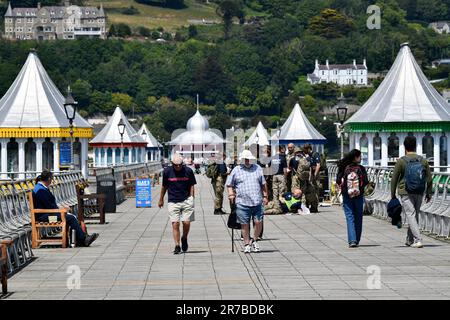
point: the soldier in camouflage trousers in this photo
(218, 172)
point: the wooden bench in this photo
(89, 205)
(37, 226)
(130, 185)
(4, 265)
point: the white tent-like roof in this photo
(148, 137)
(34, 101)
(110, 132)
(405, 95)
(260, 136)
(297, 129)
(198, 133)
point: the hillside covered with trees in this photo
(252, 67)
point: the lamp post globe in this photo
(121, 128)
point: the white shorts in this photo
(182, 211)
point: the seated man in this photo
(292, 202)
(44, 199)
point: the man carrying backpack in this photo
(412, 179)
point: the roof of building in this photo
(197, 133)
(405, 95)
(260, 136)
(34, 101)
(439, 24)
(298, 128)
(151, 140)
(110, 132)
(342, 66)
(57, 12)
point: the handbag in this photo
(232, 219)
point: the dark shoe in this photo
(177, 250)
(222, 212)
(89, 239)
(352, 245)
(184, 244)
(217, 211)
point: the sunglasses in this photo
(177, 165)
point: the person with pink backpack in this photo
(352, 179)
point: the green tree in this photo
(227, 10)
(331, 24)
(123, 100)
(123, 30)
(112, 31)
(193, 32)
(81, 91)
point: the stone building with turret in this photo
(50, 23)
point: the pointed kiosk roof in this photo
(110, 132)
(297, 129)
(260, 136)
(404, 101)
(151, 140)
(34, 107)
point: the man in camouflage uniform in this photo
(290, 172)
(313, 196)
(299, 166)
(279, 171)
(218, 172)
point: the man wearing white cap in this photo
(247, 188)
(179, 181)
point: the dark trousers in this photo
(72, 222)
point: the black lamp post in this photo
(70, 106)
(144, 136)
(121, 127)
(341, 111)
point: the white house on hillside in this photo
(440, 26)
(341, 74)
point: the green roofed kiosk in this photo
(404, 104)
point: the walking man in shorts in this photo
(179, 181)
(248, 190)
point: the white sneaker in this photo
(247, 248)
(255, 246)
(417, 244)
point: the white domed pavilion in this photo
(197, 141)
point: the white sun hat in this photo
(247, 154)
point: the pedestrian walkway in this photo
(303, 257)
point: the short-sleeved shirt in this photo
(178, 183)
(222, 169)
(314, 159)
(248, 183)
(278, 164)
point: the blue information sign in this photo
(64, 153)
(143, 193)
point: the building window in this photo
(19, 20)
(30, 155)
(12, 155)
(364, 148)
(377, 147)
(323, 72)
(443, 150)
(393, 146)
(428, 145)
(47, 154)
